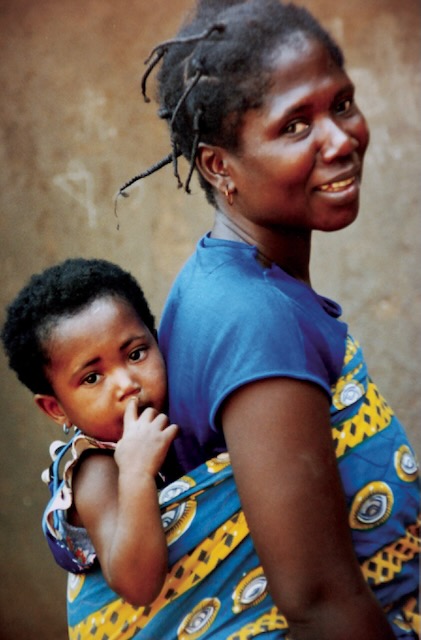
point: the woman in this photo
(258, 100)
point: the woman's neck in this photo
(289, 250)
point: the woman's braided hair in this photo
(217, 68)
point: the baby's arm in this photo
(116, 500)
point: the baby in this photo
(81, 337)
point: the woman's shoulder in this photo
(224, 274)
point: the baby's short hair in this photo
(61, 291)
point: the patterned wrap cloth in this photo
(215, 588)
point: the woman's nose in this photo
(336, 142)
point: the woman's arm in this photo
(116, 501)
(279, 438)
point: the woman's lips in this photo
(340, 185)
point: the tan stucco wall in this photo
(74, 128)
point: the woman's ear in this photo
(212, 164)
(51, 407)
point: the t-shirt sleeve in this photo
(241, 335)
(270, 338)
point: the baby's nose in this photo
(126, 384)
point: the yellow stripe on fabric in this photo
(386, 563)
(270, 621)
(202, 561)
(351, 348)
(373, 416)
(411, 617)
(120, 620)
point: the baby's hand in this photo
(145, 440)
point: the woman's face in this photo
(299, 163)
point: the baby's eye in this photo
(137, 354)
(296, 127)
(344, 105)
(91, 378)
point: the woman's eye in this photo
(296, 127)
(91, 378)
(137, 354)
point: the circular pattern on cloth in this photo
(74, 585)
(199, 619)
(372, 506)
(251, 590)
(405, 464)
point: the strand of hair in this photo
(192, 83)
(175, 155)
(161, 49)
(148, 71)
(186, 40)
(158, 165)
(196, 129)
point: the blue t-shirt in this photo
(229, 321)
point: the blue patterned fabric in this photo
(380, 476)
(216, 589)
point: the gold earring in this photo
(229, 196)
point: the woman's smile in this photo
(341, 185)
(342, 191)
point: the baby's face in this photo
(99, 359)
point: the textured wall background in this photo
(74, 128)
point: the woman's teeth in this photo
(337, 186)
